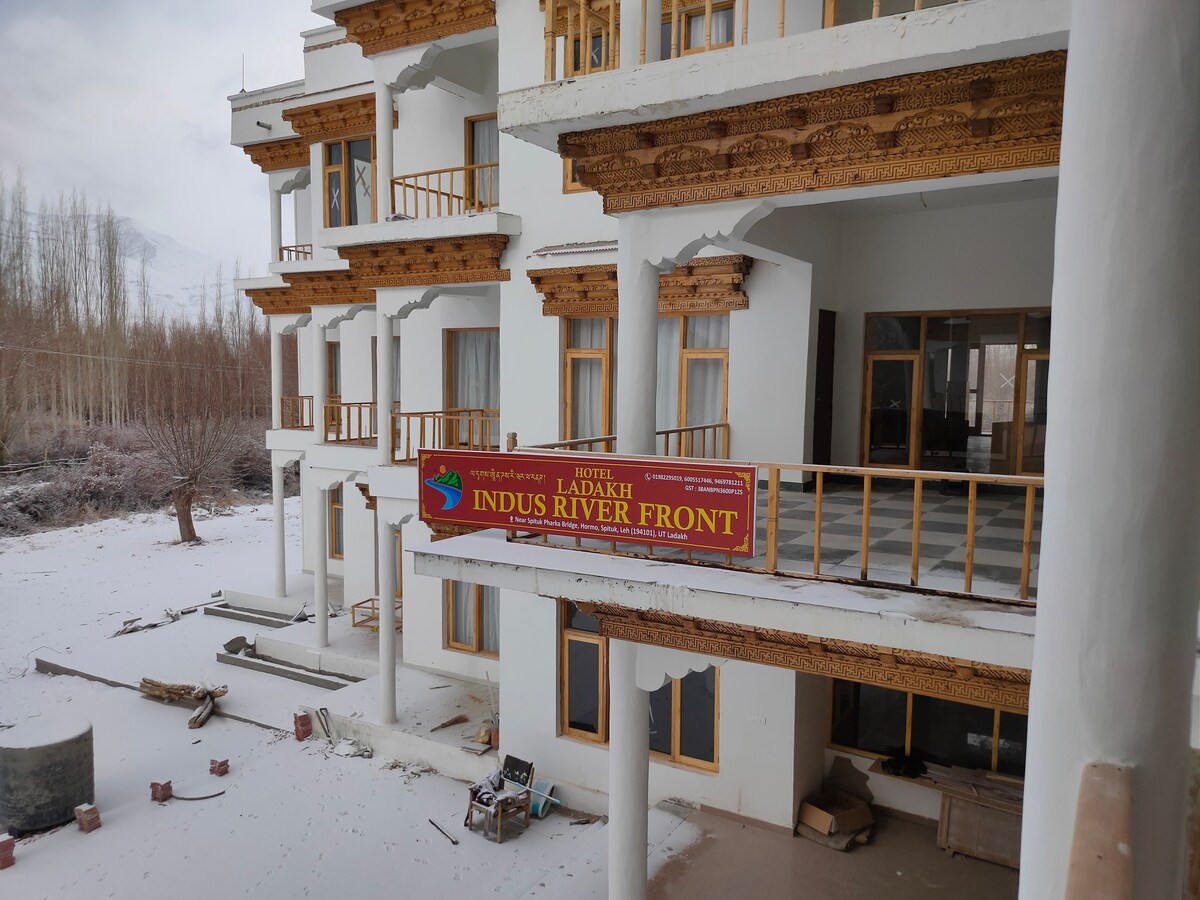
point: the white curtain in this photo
(667, 394)
(722, 29)
(476, 369)
(587, 378)
(462, 613)
(706, 376)
(490, 598)
(396, 368)
(485, 148)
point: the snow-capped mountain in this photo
(178, 276)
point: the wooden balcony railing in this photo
(443, 429)
(296, 412)
(592, 38)
(295, 252)
(603, 444)
(939, 567)
(351, 423)
(447, 192)
(696, 441)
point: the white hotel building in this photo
(825, 236)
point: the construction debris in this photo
(452, 840)
(160, 791)
(218, 767)
(457, 720)
(186, 693)
(7, 845)
(88, 817)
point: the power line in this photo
(206, 367)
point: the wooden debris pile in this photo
(200, 694)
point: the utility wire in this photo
(205, 367)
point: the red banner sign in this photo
(692, 504)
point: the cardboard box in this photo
(835, 812)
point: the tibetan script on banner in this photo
(693, 504)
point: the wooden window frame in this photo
(571, 185)
(448, 363)
(337, 502)
(343, 169)
(570, 42)
(918, 355)
(476, 647)
(568, 634)
(687, 353)
(605, 355)
(829, 18)
(469, 154)
(908, 713)
(685, 15)
(399, 565)
(333, 371)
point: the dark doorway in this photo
(822, 452)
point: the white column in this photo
(387, 622)
(637, 340)
(384, 158)
(1117, 598)
(321, 567)
(631, 31)
(280, 534)
(384, 380)
(628, 774)
(276, 224)
(276, 377)
(320, 378)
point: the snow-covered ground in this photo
(295, 819)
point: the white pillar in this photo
(320, 378)
(631, 31)
(637, 340)
(628, 774)
(384, 158)
(384, 380)
(276, 224)
(321, 567)
(280, 534)
(1117, 599)
(276, 377)
(387, 622)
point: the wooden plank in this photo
(817, 524)
(1101, 859)
(772, 518)
(866, 525)
(968, 567)
(918, 489)
(1027, 541)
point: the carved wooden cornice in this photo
(453, 260)
(388, 24)
(706, 284)
(599, 8)
(275, 156)
(345, 118)
(368, 497)
(902, 670)
(980, 118)
(308, 289)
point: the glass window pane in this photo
(1037, 331)
(462, 613)
(362, 178)
(698, 715)
(893, 332)
(490, 601)
(580, 621)
(587, 398)
(952, 734)
(1011, 758)
(695, 32)
(333, 374)
(891, 411)
(869, 718)
(475, 376)
(333, 154)
(852, 11)
(707, 332)
(1033, 450)
(583, 686)
(333, 198)
(664, 37)
(586, 334)
(705, 391)
(722, 27)
(894, 7)
(660, 718)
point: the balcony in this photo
(953, 533)
(695, 441)
(296, 413)
(452, 429)
(294, 253)
(351, 423)
(438, 193)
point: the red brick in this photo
(160, 791)
(218, 767)
(302, 723)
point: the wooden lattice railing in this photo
(447, 192)
(443, 429)
(296, 412)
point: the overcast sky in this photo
(126, 100)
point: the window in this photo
(472, 618)
(349, 182)
(693, 368)
(333, 371)
(587, 377)
(691, 30)
(482, 151)
(684, 712)
(884, 722)
(598, 59)
(337, 523)
(571, 183)
(842, 12)
(472, 387)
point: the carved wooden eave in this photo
(389, 24)
(369, 498)
(599, 10)
(987, 117)
(902, 670)
(275, 156)
(345, 118)
(308, 289)
(706, 284)
(453, 260)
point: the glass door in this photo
(890, 420)
(1032, 421)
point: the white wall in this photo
(423, 342)
(333, 66)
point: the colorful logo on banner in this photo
(693, 504)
